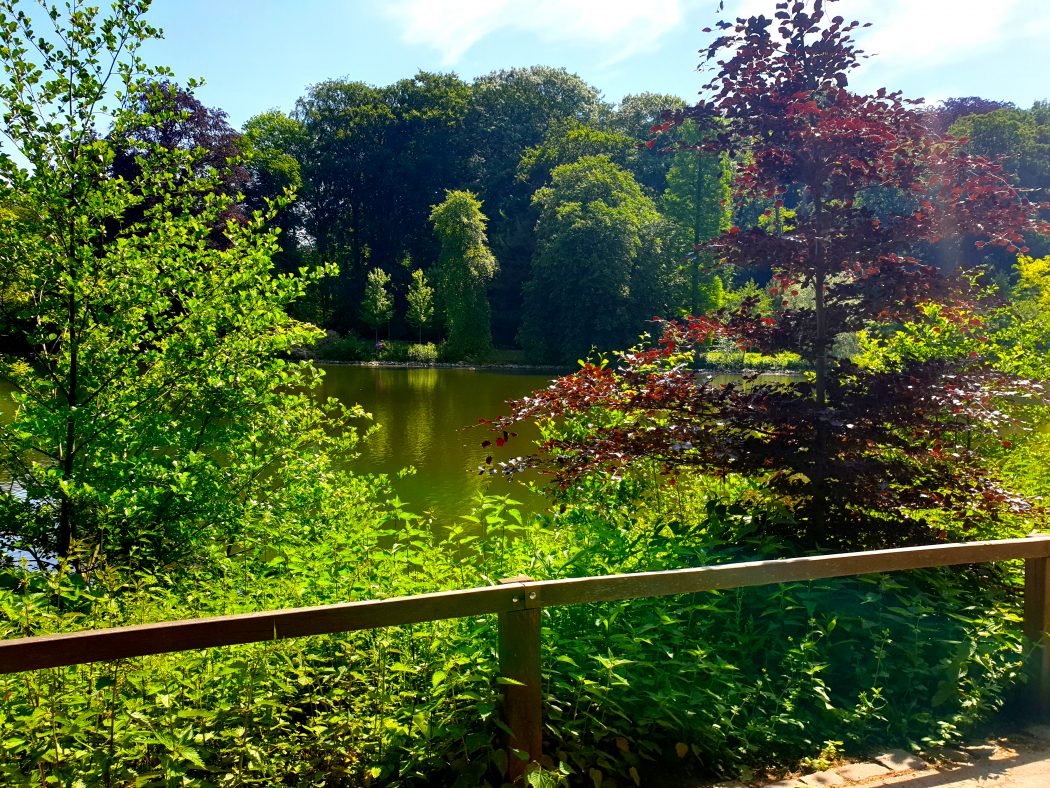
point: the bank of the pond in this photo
(539, 369)
(553, 370)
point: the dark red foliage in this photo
(173, 118)
(857, 457)
(938, 119)
(170, 117)
(861, 469)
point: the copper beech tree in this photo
(856, 457)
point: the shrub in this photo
(348, 348)
(425, 353)
(723, 682)
(781, 362)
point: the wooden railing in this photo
(517, 603)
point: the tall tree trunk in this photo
(697, 193)
(820, 354)
(66, 521)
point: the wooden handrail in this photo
(75, 648)
(96, 645)
(517, 602)
(581, 590)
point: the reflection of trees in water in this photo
(422, 379)
(417, 429)
(423, 413)
(402, 402)
(378, 447)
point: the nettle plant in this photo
(854, 456)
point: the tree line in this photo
(593, 227)
(563, 181)
(590, 226)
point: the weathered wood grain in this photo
(756, 573)
(1036, 627)
(519, 665)
(75, 648)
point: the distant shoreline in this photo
(539, 369)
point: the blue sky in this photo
(263, 54)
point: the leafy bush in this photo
(722, 682)
(348, 348)
(352, 348)
(781, 362)
(425, 353)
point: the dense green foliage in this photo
(600, 270)
(369, 161)
(142, 327)
(1020, 137)
(697, 201)
(165, 460)
(465, 267)
(1020, 140)
(725, 682)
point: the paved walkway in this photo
(1018, 760)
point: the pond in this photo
(428, 419)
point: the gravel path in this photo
(1019, 760)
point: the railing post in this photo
(1036, 627)
(519, 661)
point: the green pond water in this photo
(428, 420)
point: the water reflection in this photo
(428, 420)
(426, 417)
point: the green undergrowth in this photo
(719, 683)
(739, 362)
(353, 348)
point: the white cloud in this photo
(910, 37)
(621, 27)
(930, 31)
(937, 32)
